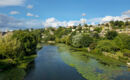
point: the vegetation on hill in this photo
(112, 44)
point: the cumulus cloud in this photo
(4, 3)
(12, 23)
(101, 20)
(14, 12)
(106, 19)
(29, 6)
(53, 22)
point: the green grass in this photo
(87, 63)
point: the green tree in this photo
(9, 48)
(28, 41)
(111, 35)
(81, 40)
(98, 29)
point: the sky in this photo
(22, 14)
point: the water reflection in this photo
(49, 66)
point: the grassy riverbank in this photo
(17, 72)
(91, 66)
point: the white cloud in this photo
(53, 22)
(30, 14)
(14, 12)
(30, 6)
(7, 22)
(12, 23)
(106, 19)
(4, 3)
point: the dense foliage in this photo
(111, 35)
(81, 40)
(14, 46)
(9, 47)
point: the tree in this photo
(111, 35)
(9, 48)
(28, 41)
(117, 24)
(81, 40)
(98, 29)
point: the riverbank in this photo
(103, 58)
(20, 69)
(94, 67)
(17, 72)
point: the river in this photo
(60, 63)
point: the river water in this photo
(60, 63)
(49, 66)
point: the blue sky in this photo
(63, 12)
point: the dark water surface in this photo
(49, 66)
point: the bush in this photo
(98, 29)
(126, 52)
(96, 36)
(123, 41)
(96, 51)
(93, 46)
(107, 46)
(111, 35)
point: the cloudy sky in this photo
(21, 14)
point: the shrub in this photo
(98, 29)
(93, 46)
(107, 46)
(96, 51)
(126, 52)
(111, 35)
(123, 41)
